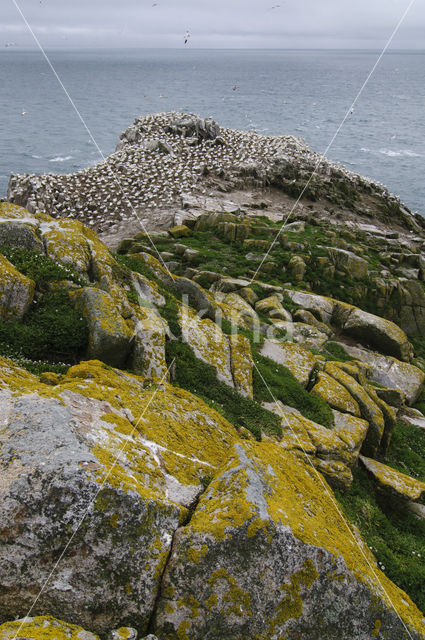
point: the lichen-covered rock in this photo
(382, 334)
(335, 394)
(207, 341)
(128, 457)
(301, 333)
(297, 268)
(227, 285)
(65, 242)
(272, 303)
(148, 348)
(267, 554)
(238, 311)
(18, 233)
(124, 633)
(394, 482)
(302, 315)
(354, 266)
(110, 338)
(229, 355)
(391, 372)
(299, 360)
(147, 290)
(329, 453)
(44, 628)
(369, 410)
(351, 429)
(320, 306)
(241, 364)
(16, 291)
(180, 231)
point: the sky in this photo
(365, 24)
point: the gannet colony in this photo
(162, 157)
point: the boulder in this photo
(111, 459)
(320, 306)
(267, 554)
(180, 231)
(18, 233)
(230, 356)
(335, 394)
(380, 334)
(110, 338)
(16, 291)
(191, 255)
(237, 311)
(391, 373)
(351, 430)
(369, 410)
(227, 285)
(272, 303)
(302, 315)
(299, 332)
(326, 451)
(297, 268)
(349, 262)
(195, 296)
(241, 363)
(65, 242)
(412, 417)
(394, 483)
(299, 360)
(147, 290)
(148, 347)
(44, 627)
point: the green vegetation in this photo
(51, 329)
(200, 378)
(52, 334)
(39, 267)
(275, 382)
(337, 352)
(407, 451)
(395, 536)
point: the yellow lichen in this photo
(292, 604)
(43, 628)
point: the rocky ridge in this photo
(200, 459)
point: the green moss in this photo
(337, 352)
(407, 451)
(274, 381)
(395, 536)
(51, 330)
(200, 378)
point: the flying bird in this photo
(236, 86)
(186, 37)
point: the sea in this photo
(304, 93)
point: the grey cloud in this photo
(218, 23)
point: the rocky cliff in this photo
(215, 432)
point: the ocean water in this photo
(276, 92)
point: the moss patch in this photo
(395, 536)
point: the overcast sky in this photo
(213, 23)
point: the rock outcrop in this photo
(181, 471)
